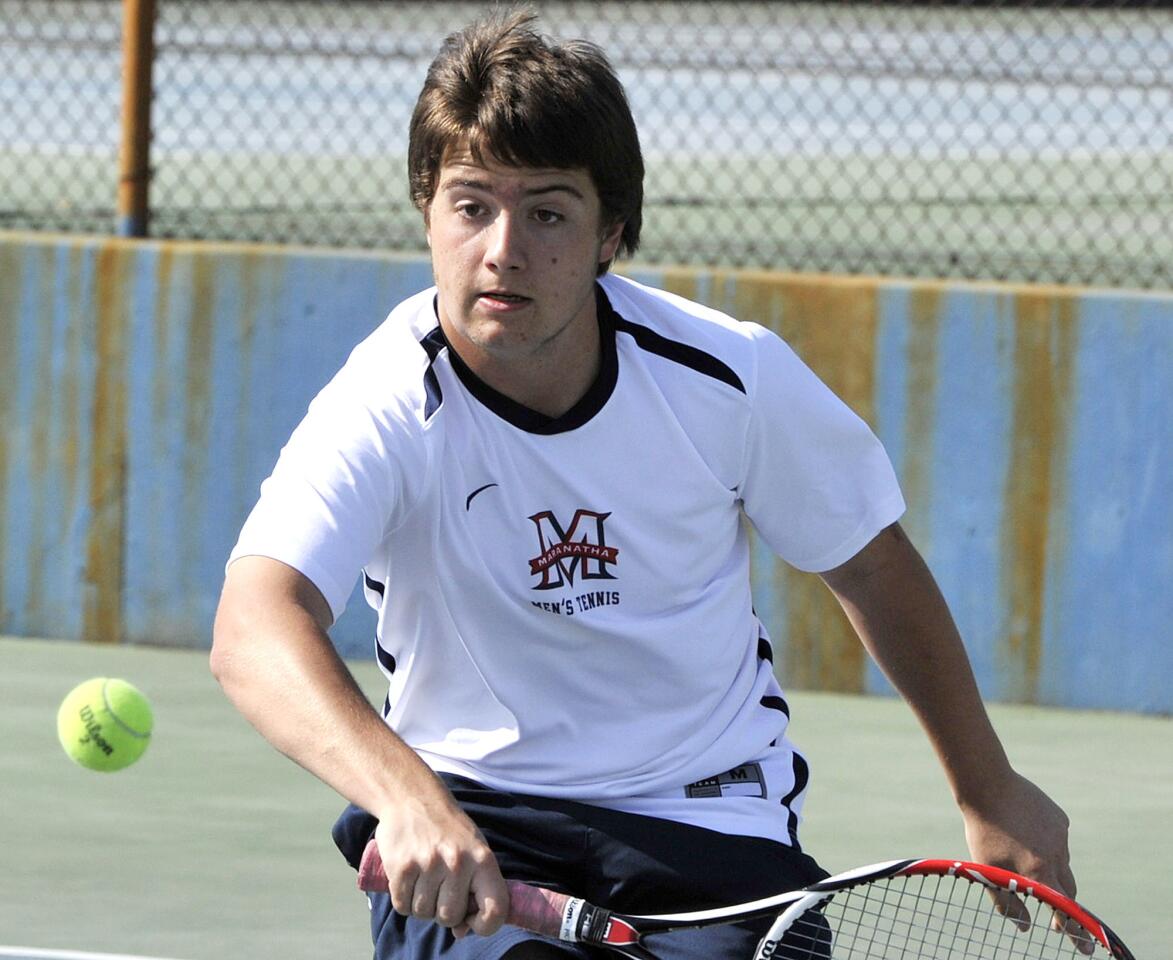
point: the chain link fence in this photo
(1025, 141)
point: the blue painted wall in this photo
(146, 389)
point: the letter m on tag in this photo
(577, 551)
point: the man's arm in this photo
(900, 615)
(275, 661)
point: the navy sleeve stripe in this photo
(682, 353)
(372, 584)
(386, 660)
(801, 778)
(432, 343)
(776, 703)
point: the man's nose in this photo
(506, 243)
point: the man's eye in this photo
(547, 216)
(470, 210)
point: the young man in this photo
(540, 470)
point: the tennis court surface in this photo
(216, 847)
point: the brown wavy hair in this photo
(499, 89)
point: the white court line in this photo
(34, 953)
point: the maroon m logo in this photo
(579, 551)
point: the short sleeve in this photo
(338, 486)
(816, 484)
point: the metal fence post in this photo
(134, 163)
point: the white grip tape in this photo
(570, 914)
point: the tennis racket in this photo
(900, 910)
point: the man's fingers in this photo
(445, 873)
(1012, 908)
(424, 898)
(1063, 924)
(414, 892)
(1083, 941)
(489, 901)
(1066, 883)
(453, 900)
(401, 887)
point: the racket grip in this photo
(531, 908)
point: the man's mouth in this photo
(503, 297)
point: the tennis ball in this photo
(104, 724)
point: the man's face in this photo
(515, 253)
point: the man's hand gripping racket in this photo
(906, 909)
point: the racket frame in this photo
(992, 878)
(585, 922)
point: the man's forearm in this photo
(902, 619)
(274, 659)
(275, 662)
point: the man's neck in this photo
(549, 386)
(549, 381)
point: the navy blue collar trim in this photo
(600, 391)
(588, 405)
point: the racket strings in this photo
(924, 918)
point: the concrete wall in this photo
(146, 388)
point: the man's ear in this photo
(611, 237)
(428, 225)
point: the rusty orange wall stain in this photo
(832, 324)
(44, 413)
(11, 283)
(252, 265)
(682, 281)
(162, 444)
(198, 356)
(206, 267)
(73, 375)
(920, 424)
(255, 267)
(1044, 351)
(162, 384)
(105, 537)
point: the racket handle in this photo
(532, 908)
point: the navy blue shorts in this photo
(623, 861)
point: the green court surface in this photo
(216, 847)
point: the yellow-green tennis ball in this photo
(105, 724)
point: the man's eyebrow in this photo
(557, 188)
(470, 183)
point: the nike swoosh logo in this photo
(468, 500)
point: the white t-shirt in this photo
(564, 604)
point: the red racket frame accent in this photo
(1014, 882)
